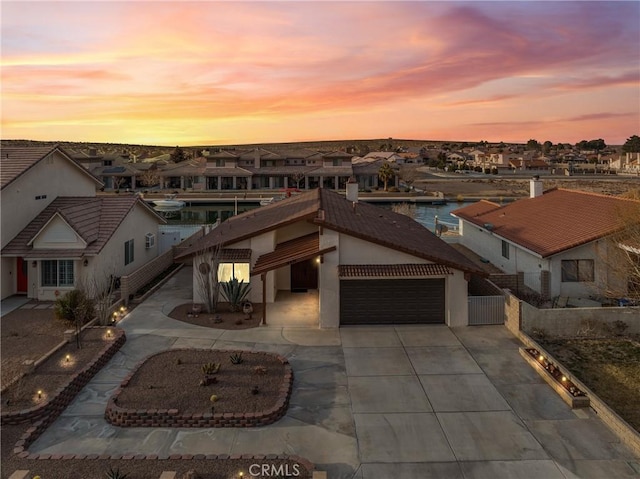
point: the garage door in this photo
(392, 301)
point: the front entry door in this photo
(304, 275)
(22, 276)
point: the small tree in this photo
(207, 261)
(621, 253)
(409, 174)
(385, 173)
(178, 155)
(632, 145)
(297, 177)
(101, 288)
(117, 182)
(76, 308)
(151, 177)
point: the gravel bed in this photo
(54, 373)
(171, 380)
(235, 320)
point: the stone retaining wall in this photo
(62, 397)
(123, 417)
(131, 283)
(567, 322)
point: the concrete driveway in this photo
(368, 403)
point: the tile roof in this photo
(95, 219)
(292, 251)
(235, 254)
(224, 171)
(15, 161)
(479, 208)
(556, 221)
(332, 210)
(391, 270)
(257, 221)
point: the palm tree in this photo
(385, 173)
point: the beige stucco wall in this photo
(51, 177)
(57, 234)
(328, 281)
(111, 259)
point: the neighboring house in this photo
(56, 231)
(368, 264)
(558, 239)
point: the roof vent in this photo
(488, 226)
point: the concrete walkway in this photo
(368, 402)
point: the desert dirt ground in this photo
(506, 187)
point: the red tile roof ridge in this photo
(593, 193)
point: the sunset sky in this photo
(206, 73)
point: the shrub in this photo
(116, 474)
(75, 307)
(235, 292)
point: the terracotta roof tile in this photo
(235, 254)
(476, 209)
(391, 270)
(95, 219)
(556, 221)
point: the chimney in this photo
(352, 190)
(535, 187)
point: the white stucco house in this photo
(367, 265)
(558, 238)
(56, 231)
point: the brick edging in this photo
(63, 396)
(119, 416)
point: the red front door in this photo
(22, 283)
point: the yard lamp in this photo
(39, 393)
(108, 333)
(67, 358)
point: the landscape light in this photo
(39, 393)
(564, 379)
(122, 309)
(67, 358)
(108, 333)
(541, 357)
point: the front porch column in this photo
(182, 182)
(249, 182)
(336, 182)
(219, 182)
(321, 181)
(234, 183)
(286, 182)
(271, 182)
(133, 182)
(306, 182)
(263, 277)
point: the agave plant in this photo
(235, 292)
(116, 474)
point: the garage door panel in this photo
(392, 301)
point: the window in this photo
(56, 273)
(107, 163)
(227, 271)
(220, 162)
(505, 249)
(337, 162)
(149, 240)
(128, 252)
(577, 270)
